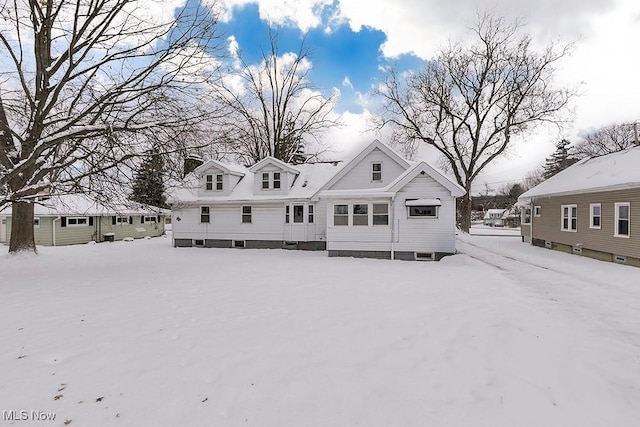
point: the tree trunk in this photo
(22, 238)
(465, 212)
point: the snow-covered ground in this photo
(485, 230)
(142, 334)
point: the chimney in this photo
(191, 162)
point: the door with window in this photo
(298, 217)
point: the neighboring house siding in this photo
(42, 235)
(73, 235)
(547, 225)
(525, 232)
(136, 230)
(425, 234)
(360, 175)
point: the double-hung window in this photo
(276, 180)
(36, 222)
(219, 182)
(286, 214)
(246, 214)
(360, 214)
(380, 214)
(311, 215)
(623, 219)
(595, 215)
(569, 218)
(205, 216)
(376, 171)
(340, 214)
(77, 221)
(265, 180)
(298, 214)
(526, 215)
(209, 182)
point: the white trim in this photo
(569, 218)
(523, 217)
(242, 214)
(536, 211)
(373, 172)
(591, 216)
(122, 220)
(423, 202)
(85, 218)
(275, 162)
(616, 233)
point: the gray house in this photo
(591, 208)
(76, 219)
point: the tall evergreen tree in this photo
(561, 159)
(148, 183)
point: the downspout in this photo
(393, 229)
(53, 229)
(531, 222)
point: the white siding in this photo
(425, 234)
(202, 192)
(357, 238)
(360, 175)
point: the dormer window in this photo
(265, 181)
(276, 180)
(209, 182)
(271, 180)
(219, 182)
(376, 171)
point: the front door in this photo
(296, 228)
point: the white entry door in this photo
(296, 228)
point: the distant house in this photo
(377, 205)
(76, 219)
(495, 217)
(591, 208)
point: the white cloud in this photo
(303, 13)
(346, 82)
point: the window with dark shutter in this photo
(141, 219)
(113, 220)
(130, 220)
(63, 221)
(90, 221)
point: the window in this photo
(526, 216)
(360, 214)
(265, 181)
(380, 214)
(246, 214)
(298, 213)
(310, 214)
(376, 171)
(622, 211)
(150, 219)
(276, 180)
(340, 214)
(595, 215)
(286, 214)
(569, 218)
(423, 211)
(219, 182)
(209, 182)
(205, 214)
(122, 220)
(536, 210)
(76, 221)
(36, 222)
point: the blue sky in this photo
(339, 54)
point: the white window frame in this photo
(375, 214)
(436, 209)
(617, 207)
(85, 219)
(375, 172)
(524, 217)
(219, 182)
(287, 210)
(150, 219)
(122, 220)
(359, 216)
(275, 180)
(205, 212)
(266, 179)
(592, 216)
(537, 210)
(310, 214)
(208, 182)
(340, 215)
(570, 218)
(246, 215)
(36, 222)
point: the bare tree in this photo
(607, 139)
(533, 178)
(86, 84)
(471, 100)
(275, 111)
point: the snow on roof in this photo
(609, 172)
(80, 204)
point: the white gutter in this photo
(53, 229)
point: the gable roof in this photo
(375, 144)
(422, 166)
(214, 163)
(83, 205)
(613, 171)
(269, 160)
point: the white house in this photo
(495, 217)
(377, 205)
